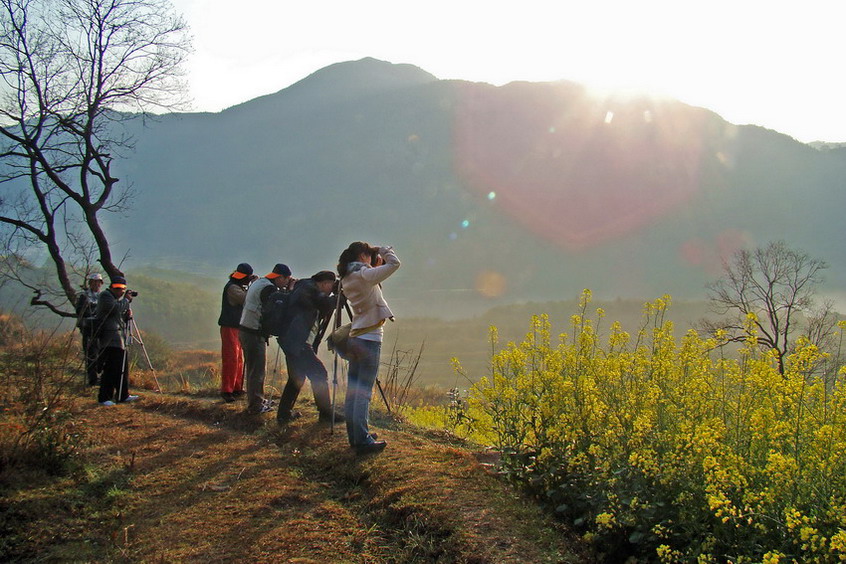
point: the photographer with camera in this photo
(111, 318)
(86, 307)
(363, 269)
(231, 353)
(311, 303)
(253, 340)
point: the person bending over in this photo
(253, 340)
(309, 307)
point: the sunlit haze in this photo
(769, 64)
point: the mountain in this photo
(489, 194)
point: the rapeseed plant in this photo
(671, 448)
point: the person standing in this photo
(111, 318)
(86, 307)
(231, 354)
(311, 303)
(361, 283)
(253, 341)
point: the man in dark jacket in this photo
(231, 354)
(111, 318)
(86, 307)
(310, 304)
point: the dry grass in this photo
(172, 478)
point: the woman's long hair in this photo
(351, 254)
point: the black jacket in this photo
(230, 315)
(110, 320)
(305, 307)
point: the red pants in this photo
(232, 375)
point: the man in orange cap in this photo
(231, 354)
(253, 340)
(113, 314)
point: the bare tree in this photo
(778, 285)
(71, 72)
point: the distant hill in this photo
(529, 191)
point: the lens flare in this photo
(710, 255)
(589, 181)
(490, 284)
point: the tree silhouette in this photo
(778, 285)
(72, 71)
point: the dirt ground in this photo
(185, 479)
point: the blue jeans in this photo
(363, 369)
(305, 364)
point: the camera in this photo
(132, 293)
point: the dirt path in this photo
(183, 480)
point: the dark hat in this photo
(242, 271)
(324, 276)
(118, 282)
(279, 270)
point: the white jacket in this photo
(361, 287)
(251, 316)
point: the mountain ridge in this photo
(547, 189)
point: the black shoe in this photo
(238, 394)
(284, 418)
(227, 397)
(370, 448)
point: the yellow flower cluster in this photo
(631, 435)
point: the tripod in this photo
(134, 335)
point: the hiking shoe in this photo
(238, 393)
(227, 397)
(370, 448)
(107, 403)
(130, 398)
(269, 403)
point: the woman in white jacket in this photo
(362, 268)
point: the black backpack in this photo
(274, 311)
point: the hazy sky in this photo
(773, 64)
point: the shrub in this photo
(36, 412)
(668, 449)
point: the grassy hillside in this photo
(186, 479)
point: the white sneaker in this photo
(107, 403)
(131, 398)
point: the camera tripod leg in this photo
(135, 333)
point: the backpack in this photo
(274, 312)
